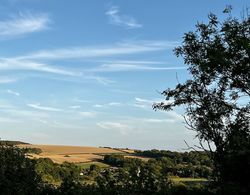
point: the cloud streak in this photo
(118, 19)
(121, 127)
(75, 107)
(15, 64)
(44, 108)
(147, 103)
(88, 114)
(23, 24)
(123, 48)
(156, 120)
(134, 67)
(41, 61)
(110, 104)
(12, 92)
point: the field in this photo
(74, 154)
(86, 165)
(189, 181)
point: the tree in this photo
(217, 97)
(17, 173)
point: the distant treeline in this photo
(13, 143)
(192, 157)
(27, 150)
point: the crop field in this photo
(190, 181)
(73, 154)
(187, 179)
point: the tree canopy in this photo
(17, 173)
(217, 97)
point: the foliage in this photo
(187, 164)
(192, 157)
(54, 173)
(217, 97)
(17, 173)
(48, 170)
(114, 160)
(33, 150)
(21, 175)
(137, 177)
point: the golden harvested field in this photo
(128, 151)
(74, 154)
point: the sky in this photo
(87, 72)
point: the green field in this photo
(187, 179)
(88, 164)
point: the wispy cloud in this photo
(127, 92)
(58, 124)
(17, 64)
(88, 114)
(16, 115)
(114, 104)
(121, 20)
(143, 103)
(81, 100)
(101, 80)
(13, 92)
(168, 117)
(44, 108)
(75, 107)
(21, 113)
(41, 61)
(156, 120)
(64, 74)
(134, 67)
(142, 100)
(131, 62)
(23, 24)
(107, 105)
(98, 106)
(117, 126)
(122, 48)
(146, 103)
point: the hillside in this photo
(74, 154)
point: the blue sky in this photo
(87, 72)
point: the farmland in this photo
(88, 168)
(72, 154)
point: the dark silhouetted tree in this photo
(217, 97)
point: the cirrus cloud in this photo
(121, 20)
(23, 24)
(121, 127)
(45, 108)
